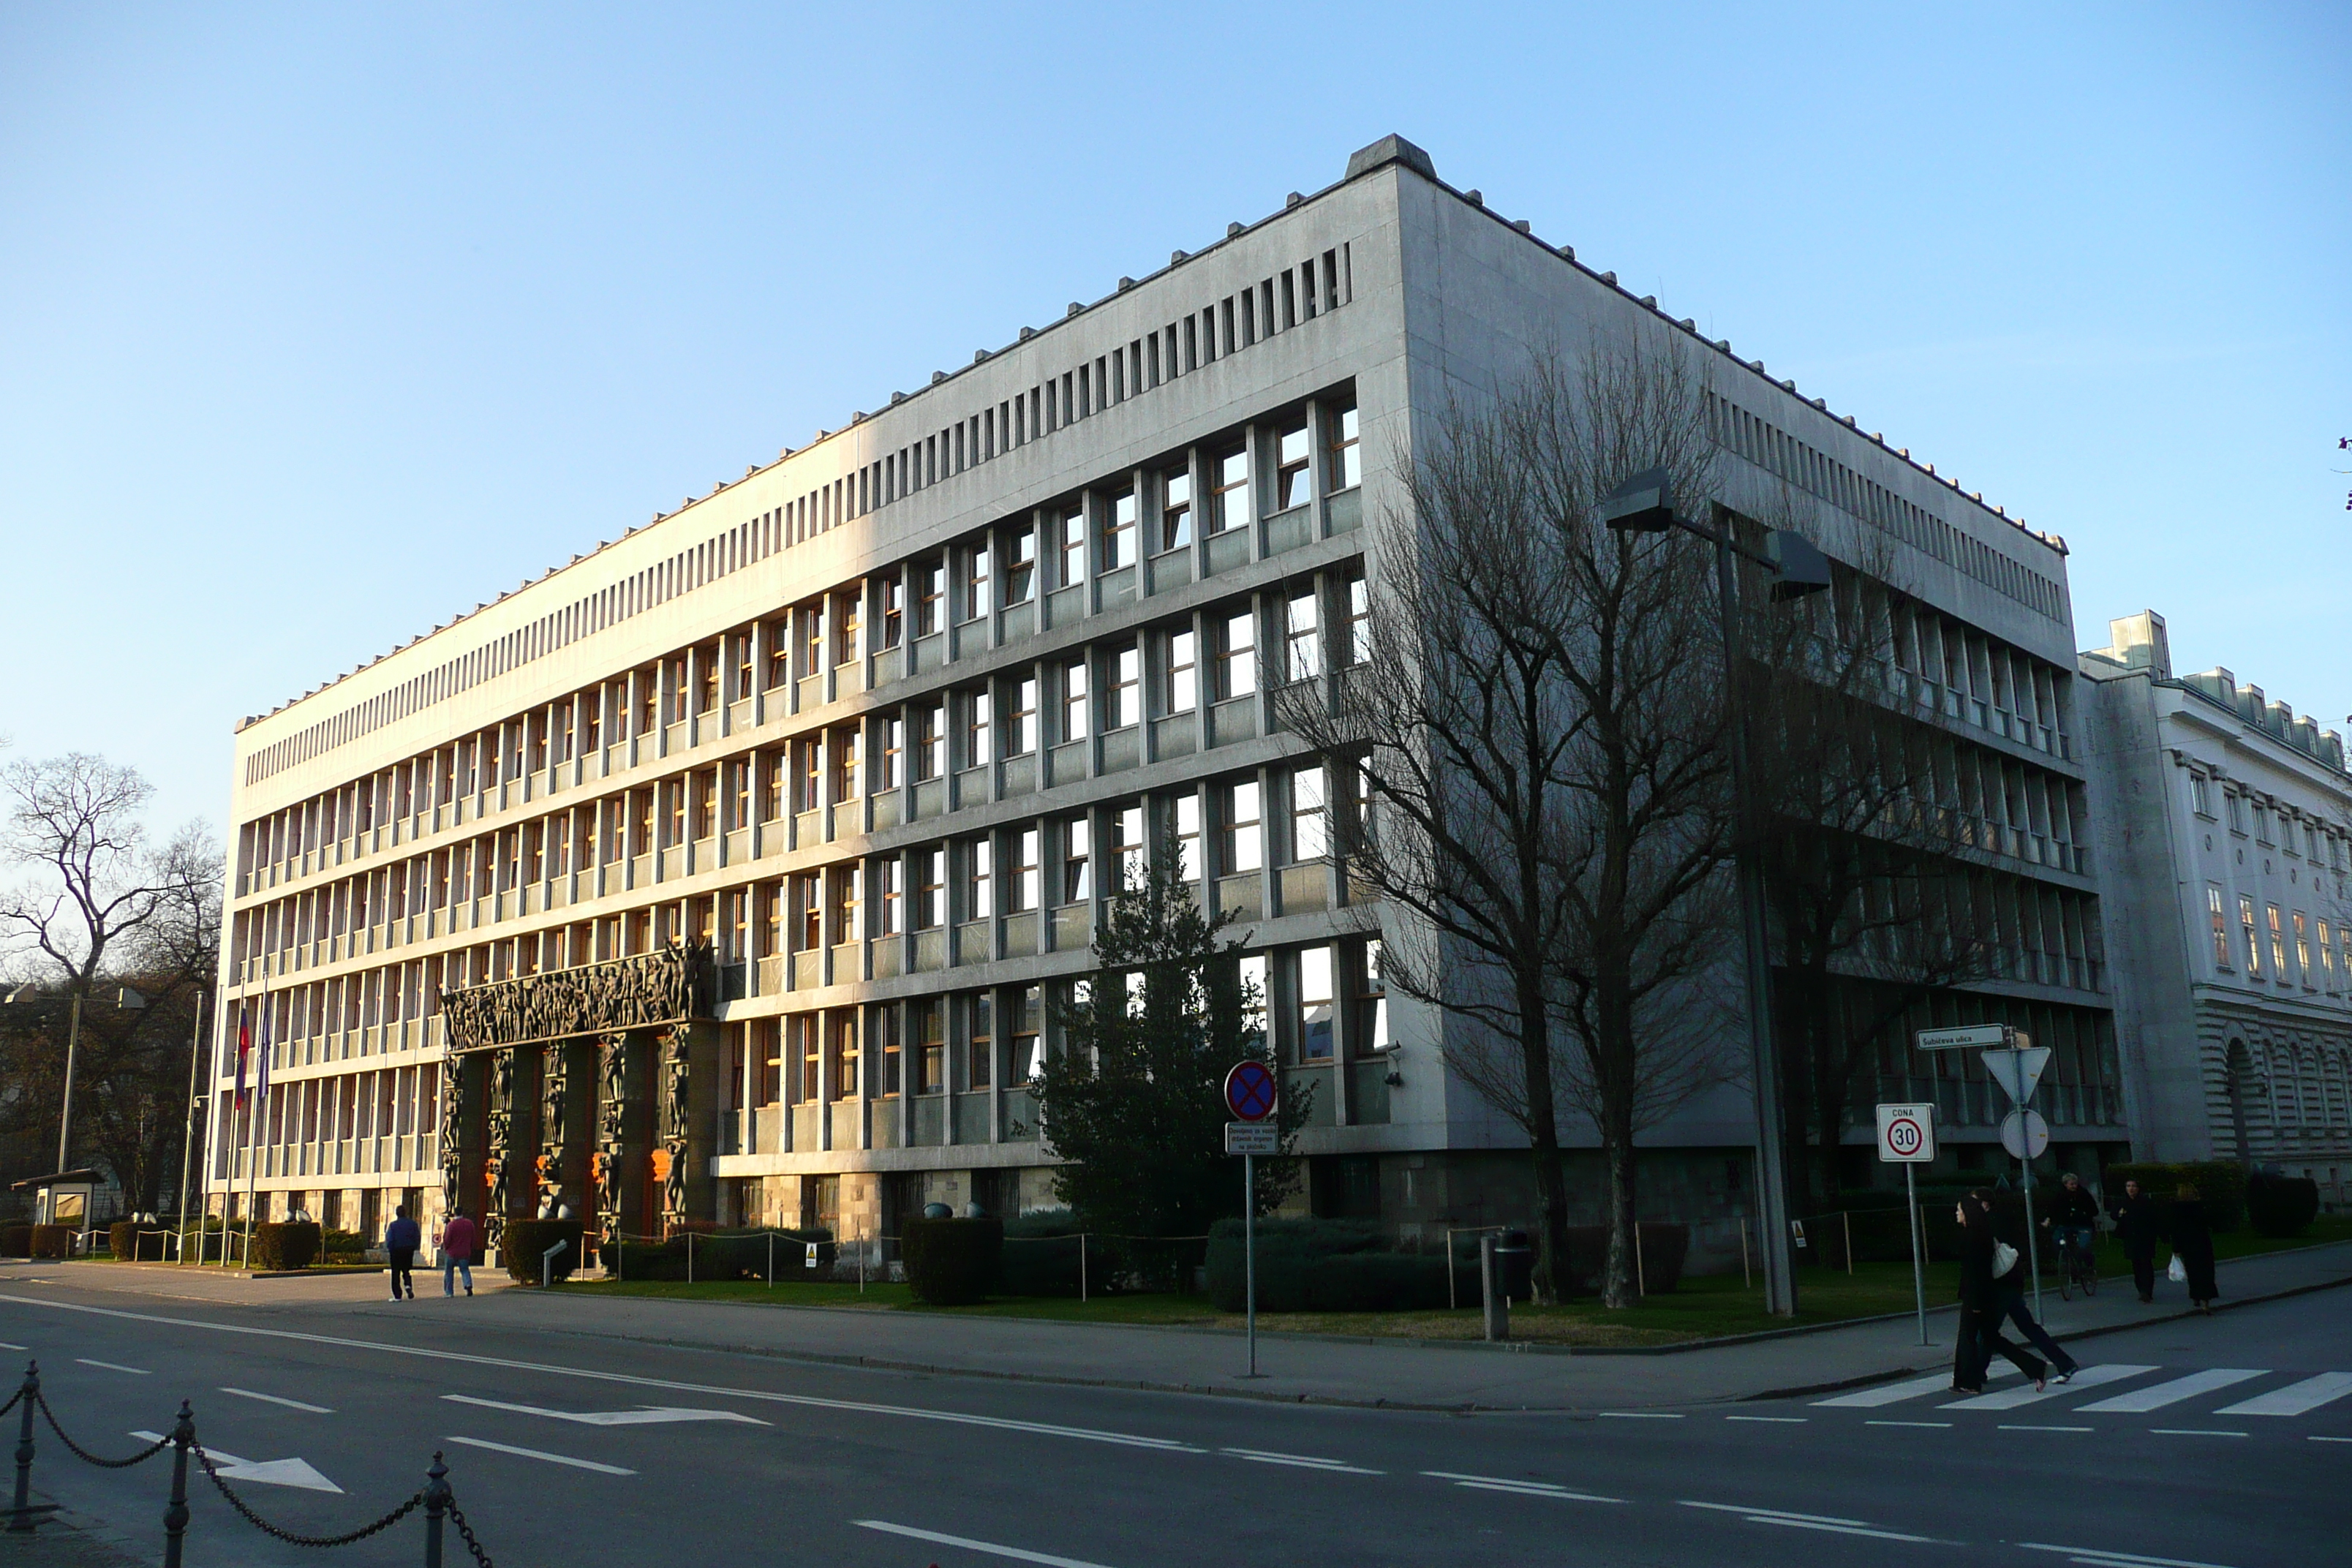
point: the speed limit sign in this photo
(1907, 1134)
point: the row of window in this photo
(2281, 936)
(2272, 823)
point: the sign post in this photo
(1907, 1137)
(2018, 1068)
(1252, 1092)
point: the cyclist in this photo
(2073, 1222)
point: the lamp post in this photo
(188, 1140)
(1644, 504)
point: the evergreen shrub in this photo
(286, 1244)
(2281, 1206)
(526, 1240)
(952, 1262)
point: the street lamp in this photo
(1645, 504)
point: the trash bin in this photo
(1515, 1260)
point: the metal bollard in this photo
(28, 1514)
(437, 1504)
(175, 1515)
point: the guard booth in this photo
(63, 1197)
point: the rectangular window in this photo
(1347, 454)
(1175, 509)
(847, 612)
(1301, 652)
(804, 913)
(1071, 537)
(1123, 699)
(1077, 882)
(1119, 532)
(2220, 926)
(1229, 500)
(2327, 956)
(2201, 794)
(1126, 847)
(981, 1062)
(930, 740)
(1021, 721)
(977, 714)
(846, 747)
(842, 881)
(890, 758)
(930, 593)
(1183, 672)
(1021, 1061)
(1371, 1004)
(1315, 1003)
(1185, 817)
(889, 896)
(1021, 565)
(2237, 806)
(930, 1049)
(894, 610)
(1358, 643)
(931, 890)
(1236, 656)
(1310, 836)
(2302, 949)
(976, 569)
(1244, 849)
(980, 879)
(1074, 701)
(2278, 944)
(1025, 877)
(1291, 452)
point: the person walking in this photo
(2192, 1243)
(457, 1253)
(1978, 1339)
(2135, 1229)
(2011, 1286)
(401, 1239)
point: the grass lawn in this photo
(1704, 1308)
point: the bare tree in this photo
(1538, 724)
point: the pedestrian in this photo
(2012, 1288)
(1978, 1339)
(401, 1238)
(457, 1253)
(2193, 1244)
(2136, 1228)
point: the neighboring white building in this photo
(876, 723)
(2225, 830)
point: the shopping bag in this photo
(2004, 1258)
(2177, 1271)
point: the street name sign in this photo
(1253, 1138)
(1980, 1037)
(2024, 1134)
(2017, 1071)
(1907, 1134)
(1252, 1090)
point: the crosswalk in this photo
(2300, 1396)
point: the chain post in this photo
(175, 1515)
(27, 1513)
(436, 1504)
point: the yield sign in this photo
(263, 1472)
(2017, 1071)
(647, 1416)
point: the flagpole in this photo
(240, 1106)
(253, 1129)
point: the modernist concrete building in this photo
(2225, 823)
(725, 871)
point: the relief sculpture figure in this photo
(675, 1119)
(554, 1083)
(611, 1127)
(501, 1132)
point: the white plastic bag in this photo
(2177, 1271)
(2004, 1258)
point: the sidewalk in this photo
(1206, 1360)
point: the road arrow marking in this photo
(648, 1415)
(261, 1472)
(542, 1454)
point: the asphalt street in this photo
(2221, 1441)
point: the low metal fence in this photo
(437, 1500)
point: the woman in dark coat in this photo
(1980, 1337)
(2192, 1243)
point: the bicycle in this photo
(2077, 1268)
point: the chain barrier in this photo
(14, 1400)
(416, 1501)
(458, 1518)
(85, 1455)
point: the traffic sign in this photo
(1253, 1138)
(1907, 1134)
(2017, 1071)
(1976, 1035)
(2024, 1134)
(1252, 1091)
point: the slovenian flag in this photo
(244, 1050)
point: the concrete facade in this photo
(878, 721)
(2227, 821)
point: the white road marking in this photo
(115, 1366)
(462, 1358)
(1773, 1420)
(275, 1399)
(1895, 1392)
(2117, 1559)
(1840, 1528)
(2296, 1398)
(990, 1547)
(1642, 1415)
(261, 1472)
(1776, 1513)
(2158, 1397)
(542, 1454)
(1938, 1424)
(1259, 1456)
(2193, 1432)
(4, 1345)
(2089, 1377)
(2031, 1427)
(2332, 1439)
(651, 1415)
(1524, 1488)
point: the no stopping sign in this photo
(1907, 1134)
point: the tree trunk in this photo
(1551, 1280)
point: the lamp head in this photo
(1802, 568)
(1643, 503)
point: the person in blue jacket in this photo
(401, 1239)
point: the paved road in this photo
(567, 1448)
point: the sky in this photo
(320, 323)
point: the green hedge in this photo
(952, 1262)
(287, 1244)
(342, 1245)
(724, 1255)
(15, 1241)
(2221, 1183)
(2281, 1205)
(525, 1239)
(1329, 1266)
(1041, 1257)
(132, 1242)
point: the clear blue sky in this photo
(318, 324)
